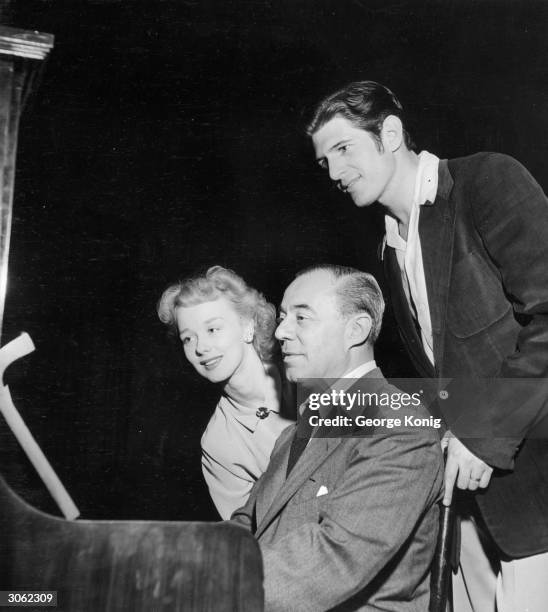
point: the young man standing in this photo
(466, 256)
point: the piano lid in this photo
(21, 57)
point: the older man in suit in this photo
(346, 520)
(466, 255)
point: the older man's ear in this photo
(358, 329)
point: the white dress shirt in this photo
(361, 370)
(409, 253)
(341, 385)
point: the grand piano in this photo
(96, 566)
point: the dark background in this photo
(167, 136)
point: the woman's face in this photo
(213, 337)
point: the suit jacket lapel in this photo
(274, 476)
(279, 492)
(403, 315)
(436, 231)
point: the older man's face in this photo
(311, 331)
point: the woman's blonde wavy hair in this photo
(221, 282)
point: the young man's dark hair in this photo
(465, 252)
(366, 104)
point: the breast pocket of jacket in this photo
(476, 297)
(308, 501)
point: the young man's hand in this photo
(463, 468)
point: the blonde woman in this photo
(227, 332)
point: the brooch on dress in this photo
(262, 412)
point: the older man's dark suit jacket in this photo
(484, 244)
(354, 525)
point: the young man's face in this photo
(311, 331)
(355, 164)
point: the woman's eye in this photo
(212, 330)
(343, 148)
(185, 340)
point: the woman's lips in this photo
(211, 363)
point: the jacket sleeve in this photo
(245, 516)
(511, 215)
